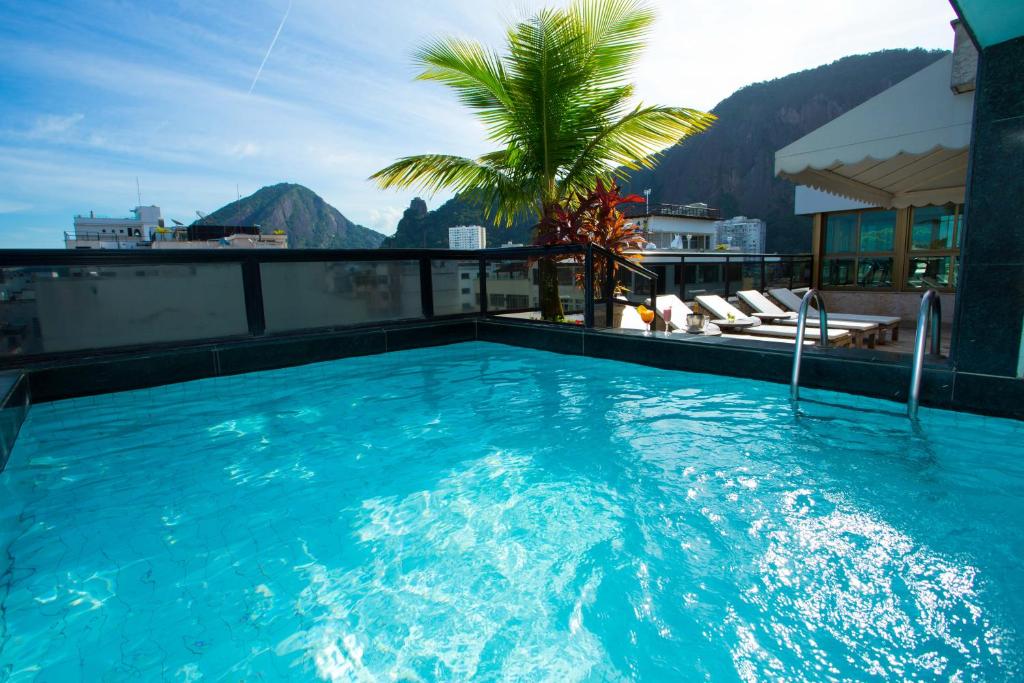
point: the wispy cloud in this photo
(9, 206)
(50, 125)
(270, 49)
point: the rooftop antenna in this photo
(138, 191)
(238, 195)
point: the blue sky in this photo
(93, 94)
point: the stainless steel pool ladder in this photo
(801, 323)
(931, 310)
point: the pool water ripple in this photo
(492, 513)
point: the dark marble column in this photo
(990, 302)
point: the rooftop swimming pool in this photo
(487, 511)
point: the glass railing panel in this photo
(456, 286)
(318, 294)
(750, 275)
(779, 273)
(512, 287)
(802, 269)
(69, 308)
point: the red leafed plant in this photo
(594, 218)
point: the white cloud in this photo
(385, 220)
(11, 206)
(53, 125)
(243, 150)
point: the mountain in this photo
(732, 165)
(422, 228)
(309, 221)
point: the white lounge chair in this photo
(631, 319)
(679, 310)
(862, 332)
(791, 301)
(722, 309)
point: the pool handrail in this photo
(929, 311)
(801, 325)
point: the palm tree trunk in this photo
(550, 302)
(547, 275)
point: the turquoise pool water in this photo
(482, 511)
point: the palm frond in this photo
(433, 172)
(556, 102)
(635, 141)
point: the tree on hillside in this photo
(558, 105)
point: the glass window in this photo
(933, 227)
(837, 272)
(930, 271)
(932, 247)
(841, 234)
(864, 244)
(874, 272)
(877, 229)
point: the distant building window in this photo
(465, 290)
(465, 276)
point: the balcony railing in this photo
(690, 275)
(679, 210)
(56, 304)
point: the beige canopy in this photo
(907, 146)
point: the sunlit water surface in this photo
(507, 514)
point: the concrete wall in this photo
(903, 304)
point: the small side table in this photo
(733, 325)
(771, 317)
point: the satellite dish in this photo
(176, 222)
(201, 215)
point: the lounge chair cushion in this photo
(762, 304)
(792, 302)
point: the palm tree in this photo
(558, 105)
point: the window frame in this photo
(857, 255)
(952, 252)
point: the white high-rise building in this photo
(467, 237)
(742, 234)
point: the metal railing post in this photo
(801, 325)
(252, 288)
(930, 311)
(609, 291)
(727, 260)
(482, 280)
(764, 274)
(654, 289)
(682, 278)
(427, 288)
(588, 287)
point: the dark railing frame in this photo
(726, 260)
(250, 259)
